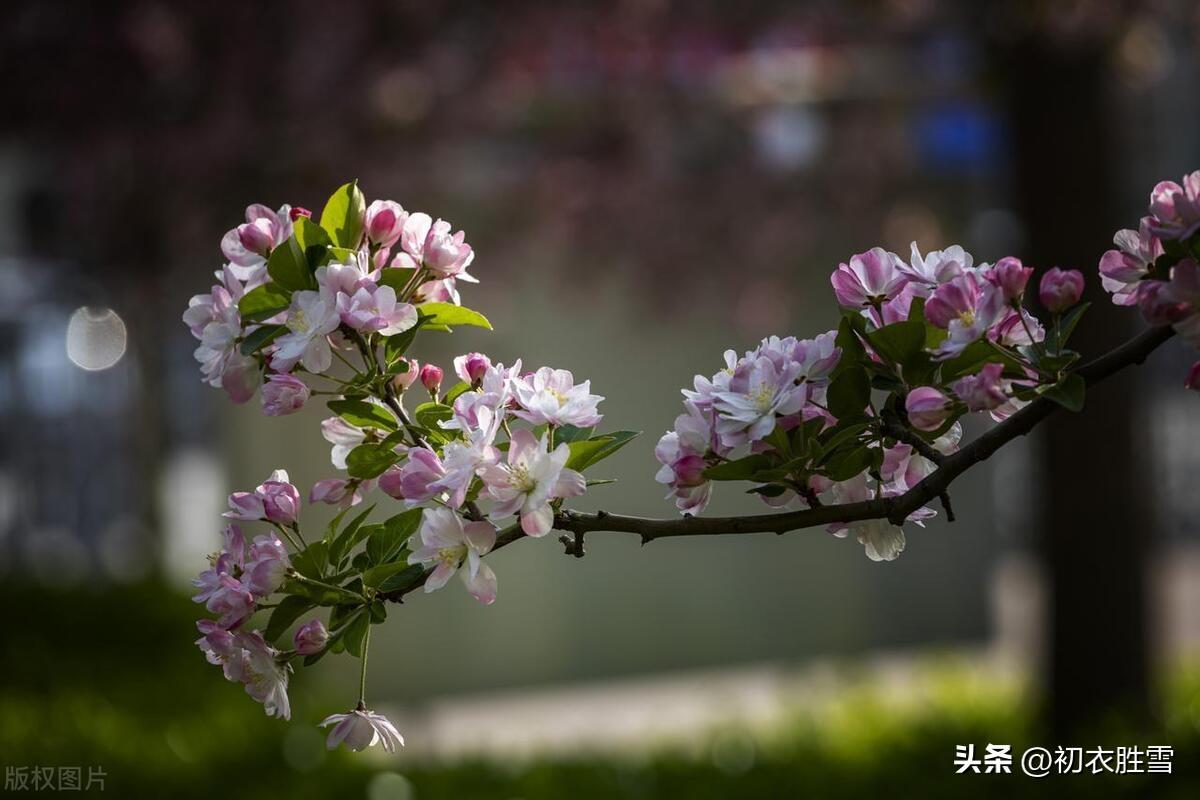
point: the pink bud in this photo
(384, 222)
(927, 408)
(1060, 289)
(472, 367)
(431, 378)
(406, 379)
(983, 391)
(329, 490)
(257, 236)
(283, 394)
(310, 638)
(1193, 377)
(280, 499)
(299, 211)
(1010, 276)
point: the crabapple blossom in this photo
(310, 638)
(758, 391)
(966, 306)
(311, 318)
(431, 378)
(471, 367)
(881, 540)
(280, 499)
(681, 453)
(982, 391)
(1192, 381)
(449, 544)
(530, 480)
(384, 222)
(869, 278)
(297, 212)
(266, 565)
(927, 408)
(248, 245)
(551, 397)
(339, 491)
(344, 437)
(1184, 290)
(265, 678)
(409, 368)
(283, 394)
(360, 729)
(1122, 270)
(1010, 276)
(431, 245)
(416, 481)
(1060, 289)
(935, 267)
(374, 308)
(1175, 208)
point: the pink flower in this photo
(1122, 270)
(551, 396)
(472, 367)
(936, 267)
(360, 729)
(431, 378)
(1184, 289)
(966, 307)
(681, 453)
(248, 245)
(529, 480)
(266, 565)
(1158, 305)
(384, 222)
(1175, 209)
(280, 499)
(408, 376)
(310, 638)
(297, 212)
(758, 392)
(343, 436)
(982, 391)
(870, 278)
(283, 394)
(927, 408)
(231, 600)
(431, 245)
(339, 491)
(415, 482)
(1010, 276)
(265, 678)
(449, 544)
(1060, 289)
(374, 308)
(311, 318)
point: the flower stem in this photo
(362, 675)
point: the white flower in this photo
(343, 436)
(881, 540)
(757, 392)
(448, 543)
(311, 318)
(360, 729)
(265, 678)
(550, 396)
(529, 480)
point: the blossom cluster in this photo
(1155, 267)
(330, 308)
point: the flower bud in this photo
(299, 211)
(257, 236)
(431, 378)
(384, 222)
(927, 408)
(472, 367)
(310, 638)
(982, 391)
(406, 379)
(280, 499)
(1060, 289)
(329, 490)
(1010, 277)
(283, 394)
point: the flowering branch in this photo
(856, 429)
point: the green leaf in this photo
(309, 234)
(612, 442)
(310, 560)
(848, 393)
(356, 633)
(740, 470)
(370, 460)
(260, 337)
(450, 315)
(428, 415)
(384, 544)
(343, 215)
(899, 342)
(455, 391)
(288, 611)
(288, 266)
(376, 576)
(403, 579)
(584, 450)
(394, 347)
(341, 546)
(396, 277)
(569, 433)
(364, 414)
(320, 595)
(853, 352)
(1068, 392)
(846, 462)
(1066, 326)
(264, 302)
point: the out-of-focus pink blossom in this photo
(927, 408)
(870, 278)
(297, 212)
(283, 394)
(339, 491)
(310, 638)
(384, 222)
(1158, 305)
(1192, 381)
(1060, 289)
(982, 391)
(431, 378)
(1184, 289)
(1175, 208)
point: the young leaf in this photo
(355, 633)
(740, 470)
(341, 546)
(582, 451)
(264, 302)
(370, 460)
(384, 544)
(364, 414)
(288, 611)
(396, 277)
(899, 342)
(611, 443)
(311, 236)
(342, 217)
(376, 576)
(448, 314)
(1068, 392)
(288, 267)
(1066, 326)
(849, 392)
(428, 415)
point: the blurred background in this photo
(646, 183)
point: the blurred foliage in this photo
(112, 679)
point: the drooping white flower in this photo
(360, 729)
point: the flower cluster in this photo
(1156, 267)
(940, 334)
(330, 308)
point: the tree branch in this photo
(895, 509)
